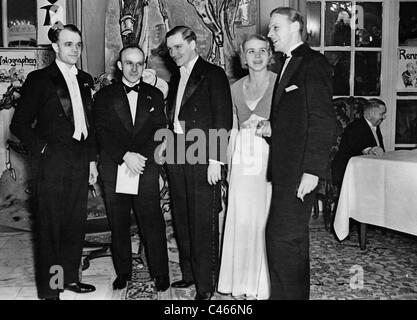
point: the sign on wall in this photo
(407, 69)
(14, 68)
(49, 12)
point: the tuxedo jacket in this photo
(302, 118)
(356, 137)
(116, 131)
(45, 98)
(206, 104)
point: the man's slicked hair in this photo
(186, 32)
(292, 14)
(53, 33)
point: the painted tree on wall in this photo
(131, 20)
(219, 16)
(222, 21)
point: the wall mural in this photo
(220, 26)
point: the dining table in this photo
(379, 191)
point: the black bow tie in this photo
(283, 58)
(134, 88)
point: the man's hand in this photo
(214, 173)
(263, 129)
(135, 162)
(376, 151)
(307, 184)
(92, 178)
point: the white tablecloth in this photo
(380, 191)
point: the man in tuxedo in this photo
(199, 101)
(302, 125)
(128, 114)
(62, 147)
(362, 136)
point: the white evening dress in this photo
(244, 268)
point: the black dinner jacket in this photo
(302, 118)
(206, 104)
(45, 98)
(116, 133)
(356, 137)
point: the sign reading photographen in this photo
(14, 68)
(407, 69)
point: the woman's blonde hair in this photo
(253, 36)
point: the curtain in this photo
(300, 5)
(93, 23)
(89, 17)
(74, 16)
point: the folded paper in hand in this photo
(126, 182)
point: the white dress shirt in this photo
(373, 129)
(132, 97)
(185, 72)
(70, 76)
(289, 57)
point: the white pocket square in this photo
(291, 88)
(152, 109)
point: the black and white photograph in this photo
(235, 151)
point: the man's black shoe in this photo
(182, 284)
(79, 287)
(121, 281)
(162, 282)
(53, 298)
(203, 296)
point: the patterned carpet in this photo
(388, 265)
(339, 270)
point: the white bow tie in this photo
(184, 71)
(73, 70)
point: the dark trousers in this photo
(195, 210)
(151, 223)
(287, 244)
(62, 193)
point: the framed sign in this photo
(407, 69)
(15, 64)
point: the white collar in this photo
(129, 84)
(370, 124)
(188, 67)
(64, 68)
(293, 47)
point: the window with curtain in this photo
(349, 34)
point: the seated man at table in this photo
(363, 136)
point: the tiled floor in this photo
(16, 272)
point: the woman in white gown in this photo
(244, 268)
